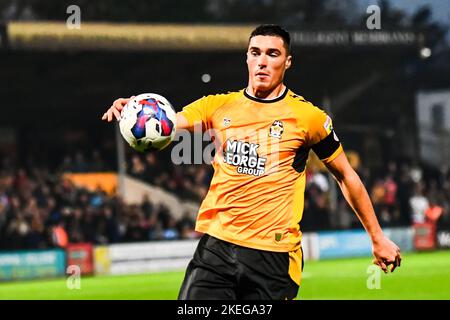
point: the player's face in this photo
(267, 60)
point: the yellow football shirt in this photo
(256, 194)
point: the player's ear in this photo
(288, 62)
(247, 56)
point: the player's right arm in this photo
(118, 104)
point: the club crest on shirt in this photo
(276, 129)
(226, 122)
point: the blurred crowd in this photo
(190, 182)
(39, 208)
(80, 162)
(403, 193)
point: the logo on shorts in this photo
(276, 129)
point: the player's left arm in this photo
(384, 250)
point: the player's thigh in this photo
(263, 288)
(211, 272)
(266, 276)
(203, 284)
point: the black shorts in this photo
(225, 271)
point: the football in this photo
(148, 122)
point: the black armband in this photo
(326, 147)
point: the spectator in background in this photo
(390, 193)
(171, 231)
(136, 226)
(405, 186)
(377, 195)
(346, 218)
(74, 226)
(320, 180)
(88, 225)
(384, 216)
(434, 211)
(152, 169)
(80, 164)
(317, 212)
(147, 206)
(180, 184)
(186, 226)
(97, 163)
(156, 232)
(443, 222)
(137, 167)
(37, 238)
(67, 164)
(111, 225)
(416, 173)
(60, 239)
(17, 232)
(163, 215)
(21, 182)
(3, 221)
(419, 204)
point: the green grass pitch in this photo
(421, 276)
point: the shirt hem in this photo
(252, 245)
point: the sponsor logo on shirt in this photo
(244, 156)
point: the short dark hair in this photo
(273, 30)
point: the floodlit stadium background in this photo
(73, 194)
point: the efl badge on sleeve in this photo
(276, 129)
(328, 125)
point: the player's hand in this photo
(115, 109)
(386, 253)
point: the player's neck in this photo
(266, 95)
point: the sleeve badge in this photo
(328, 125)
